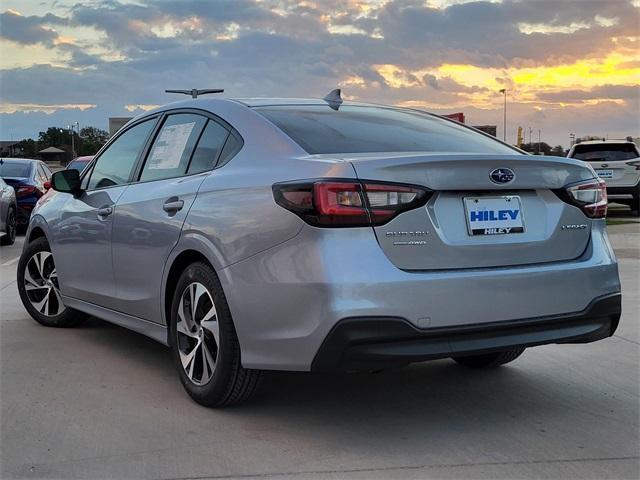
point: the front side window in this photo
(171, 151)
(363, 129)
(116, 163)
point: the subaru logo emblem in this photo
(502, 175)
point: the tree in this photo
(55, 137)
(535, 147)
(27, 148)
(91, 140)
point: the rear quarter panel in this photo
(234, 214)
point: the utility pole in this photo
(504, 123)
(539, 146)
(77, 124)
(530, 132)
(70, 129)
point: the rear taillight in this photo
(590, 197)
(635, 164)
(24, 190)
(348, 203)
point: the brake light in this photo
(24, 190)
(348, 203)
(590, 197)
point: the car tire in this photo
(10, 228)
(39, 290)
(208, 356)
(489, 360)
(635, 203)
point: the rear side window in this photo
(231, 147)
(362, 129)
(43, 173)
(209, 147)
(171, 151)
(609, 152)
(115, 165)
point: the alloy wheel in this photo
(41, 284)
(198, 333)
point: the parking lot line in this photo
(10, 262)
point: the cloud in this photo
(604, 92)
(400, 51)
(29, 30)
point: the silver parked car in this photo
(8, 209)
(282, 234)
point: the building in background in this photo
(53, 156)
(459, 117)
(8, 148)
(116, 123)
(490, 129)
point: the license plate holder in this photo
(604, 173)
(500, 215)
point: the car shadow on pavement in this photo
(434, 394)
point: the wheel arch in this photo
(178, 264)
(37, 229)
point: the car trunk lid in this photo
(518, 222)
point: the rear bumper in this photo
(629, 190)
(371, 343)
(287, 300)
(23, 213)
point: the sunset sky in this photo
(568, 66)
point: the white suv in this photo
(617, 162)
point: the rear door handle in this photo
(173, 205)
(105, 211)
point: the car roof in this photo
(19, 160)
(264, 102)
(209, 103)
(602, 142)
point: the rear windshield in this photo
(363, 129)
(606, 151)
(15, 169)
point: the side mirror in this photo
(67, 181)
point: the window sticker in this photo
(168, 149)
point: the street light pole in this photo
(539, 146)
(504, 121)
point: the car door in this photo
(81, 236)
(150, 214)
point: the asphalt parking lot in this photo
(102, 402)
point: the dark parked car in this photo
(7, 214)
(30, 180)
(79, 163)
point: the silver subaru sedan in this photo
(321, 235)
